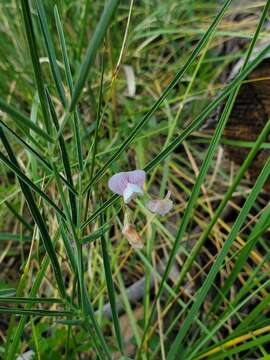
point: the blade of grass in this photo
(223, 320)
(111, 291)
(94, 44)
(5, 236)
(23, 120)
(28, 300)
(65, 160)
(19, 217)
(95, 140)
(243, 256)
(28, 182)
(76, 117)
(7, 292)
(51, 52)
(37, 156)
(35, 61)
(96, 234)
(38, 312)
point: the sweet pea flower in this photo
(127, 184)
(160, 207)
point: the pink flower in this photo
(127, 184)
(160, 207)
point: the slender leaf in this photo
(65, 160)
(100, 32)
(51, 52)
(35, 61)
(76, 117)
(39, 312)
(23, 120)
(37, 156)
(28, 182)
(111, 291)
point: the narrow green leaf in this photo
(101, 209)
(51, 52)
(37, 156)
(29, 300)
(259, 229)
(35, 61)
(96, 234)
(65, 160)
(67, 243)
(100, 32)
(39, 312)
(23, 120)
(19, 216)
(7, 292)
(90, 321)
(5, 236)
(28, 182)
(76, 117)
(111, 291)
(95, 140)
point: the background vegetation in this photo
(88, 91)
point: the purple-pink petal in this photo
(118, 182)
(136, 177)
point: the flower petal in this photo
(131, 191)
(160, 207)
(136, 177)
(118, 182)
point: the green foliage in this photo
(68, 122)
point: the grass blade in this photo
(23, 120)
(93, 47)
(28, 300)
(28, 182)
(76, 118)
(65, 160)
(51, 52)
(39, 312)
(7, 292)
(96, 234)
(45, 164)
(5, 236)
(35, 61)
(19, 217)
(111, 291)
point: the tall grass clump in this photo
(93, 89)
